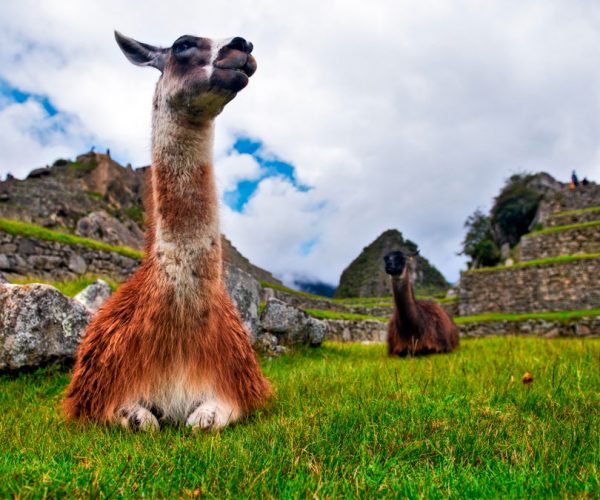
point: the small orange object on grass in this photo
(527, 378)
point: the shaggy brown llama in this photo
(417, 327)
(169, 345)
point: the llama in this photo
(169, 345)
(417, 326)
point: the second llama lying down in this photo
(417, 326)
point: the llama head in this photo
(395, 262)
(199, 75)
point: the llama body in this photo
(417, 326)
(169, 344)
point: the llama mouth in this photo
(239, 61)
(232, 73)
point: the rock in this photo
(552, 334)
(245, 293)
(101, 226)
(39, 172)
(290, 325)
(356, 331)
(77, 264)
(38, 325)
(268, 344)
(27, 246)
(94, 295)
(4, 262)
(45, 262)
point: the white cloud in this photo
(405, 114)
(31, 138)
(233, 168)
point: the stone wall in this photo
(572, 218)
(23, 256)
(548, 287)
(355, 331)
(575, 199)
(568, 242)
(581, 327)
(301, 301)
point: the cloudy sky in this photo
(362, 116)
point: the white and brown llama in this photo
(169, 345)
(417, 327)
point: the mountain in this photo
(366, 277)
(314, 287)
(96, 197)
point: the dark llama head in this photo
(395, 261)
(199, 75)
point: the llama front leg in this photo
(213, 414)
(137, 417)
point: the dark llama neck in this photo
(404, 299)
(186, 243)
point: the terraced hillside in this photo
(558, 269)
(92, 197)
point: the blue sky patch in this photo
(16, 95)
(270, 166)
(307, 247)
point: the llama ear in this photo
(141, 54)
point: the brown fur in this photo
(171, 321)
(418, 327)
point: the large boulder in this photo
(94, 295)
(38, 325)
(245, 293)
(101, 226)
(291, 325)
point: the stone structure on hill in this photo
(365, 276)
(559, 266)
(95, 197)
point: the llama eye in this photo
(182, 46)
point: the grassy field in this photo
(35, 231)
(347, 421)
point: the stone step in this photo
(552, 285)
(587, 326)
(573, 217)
(561, 240)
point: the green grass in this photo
(70, 288)
(94, 195)
(560, 259)
(88, 166)
(322, 314)
(347, 422)
(34, 231)
(362, 301)
(285, 289)
(576, 212)
(550, 316)
(354, 301)
(559, 229)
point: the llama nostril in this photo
(239, 43)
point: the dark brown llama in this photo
(417, 327)
(169, 345)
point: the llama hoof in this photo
(138, 418)
(209, 416)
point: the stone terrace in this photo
(559, 267)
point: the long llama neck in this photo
(404, 298)
(185, 241)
